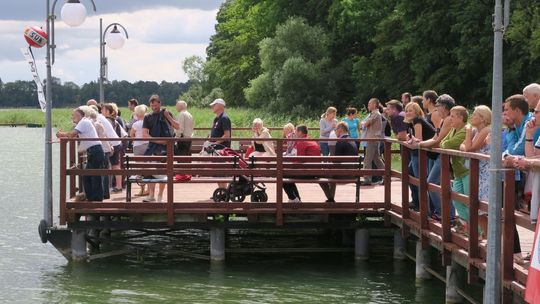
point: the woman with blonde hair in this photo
(261, 148)
(419, 129)
(289, 133)
(327, 124)
(476, 136)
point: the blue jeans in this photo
(105, 178)
(93, 185)
(413, 171)
(434, 177)
(325, 149)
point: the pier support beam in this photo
(423, 259)
(217, 244)
(361, 244)
(78, 246)
(399, 245)
(453, 274)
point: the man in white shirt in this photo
(93, 185)
(185, 129)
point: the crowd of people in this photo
(424, 121)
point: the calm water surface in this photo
(32, 272)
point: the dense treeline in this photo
(301, 56)
(23, 93)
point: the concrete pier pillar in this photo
(453, 273)
(361, 244)
(399, 245)
(217, 244)
(423, 259)
(78, 245)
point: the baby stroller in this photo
(241, 186)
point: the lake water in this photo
(32, 272)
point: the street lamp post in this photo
(73, 13)
(116, 40)
(492, 290)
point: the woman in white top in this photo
(136, 130)
(261, 148)
(139, 146)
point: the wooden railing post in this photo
(72, 162)
(423, 189)
(446, 192)
(170, 184)
(405, 158)
(63, 180)
(388, 175)
(508, 226)
(473, 217)
(279, 182)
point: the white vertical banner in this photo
(30, 59)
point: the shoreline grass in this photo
(203, 117)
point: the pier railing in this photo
(276, 170)
(451, 244)
(280, 169)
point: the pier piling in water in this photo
(361, 244)
(452, 283)
(217, 244)
(78, 245)
(399, 245)
(423, 259)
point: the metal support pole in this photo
(47, 177)
(492, 291)
(101, 62)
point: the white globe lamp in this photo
(73, 13)
(115, 40)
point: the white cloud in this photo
(158, 41)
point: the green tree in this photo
(295, 65)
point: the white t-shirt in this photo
(137, 126)
(86, 129)
(109, 130)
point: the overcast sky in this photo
(161, 34)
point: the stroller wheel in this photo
(221, 195)
(259, 197)
(238, 198)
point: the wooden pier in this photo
(188, 205)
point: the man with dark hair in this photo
(405, 98)
(132, 103)
(518, 112)
(394, 110)
(157, 124)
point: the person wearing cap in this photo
(222, 127)
(443, 105)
